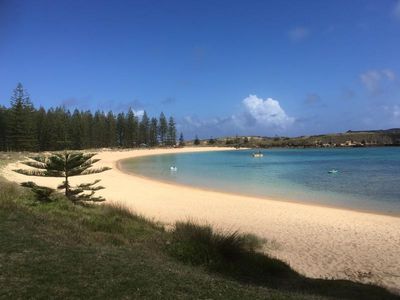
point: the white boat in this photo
(257, 154)
(333, 171)
(173, 168)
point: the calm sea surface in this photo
(367, 178)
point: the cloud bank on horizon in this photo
(256, 115)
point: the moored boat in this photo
(257, 154)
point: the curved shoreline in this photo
(315, 240)
(118, 165)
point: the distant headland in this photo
(351, 138)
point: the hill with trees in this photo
(369, 138)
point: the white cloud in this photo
(298, 34)
(257, 116)
(267, 113)
(396, 10)
(192, 121)
(373, 79)
(138, 113)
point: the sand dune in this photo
(316, 241)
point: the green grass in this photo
(59, 250)
(200, 245)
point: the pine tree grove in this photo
(25, 128)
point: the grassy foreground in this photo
(60, 250)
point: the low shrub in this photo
(200, 245)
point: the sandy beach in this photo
(316, 241)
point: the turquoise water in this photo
(368, 178)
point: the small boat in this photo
(173, 168)
(333, 171)
(257, 154)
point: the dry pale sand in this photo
(316, 241)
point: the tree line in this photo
(25, 128)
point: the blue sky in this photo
(220, 67)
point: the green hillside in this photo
(371, 138)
